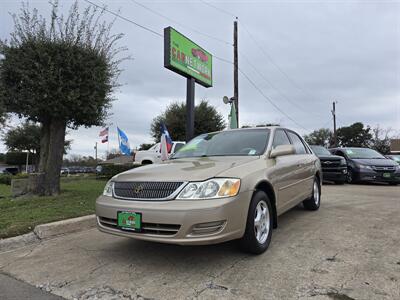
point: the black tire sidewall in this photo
(249, 241)
(310, 203)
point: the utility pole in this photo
(236, 70)
(95, 152)
(334, 123)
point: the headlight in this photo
(365, 167)
(210, 189)
(108, 189)
(343, 162)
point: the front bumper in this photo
(371, 176)
(185, 222)
(336, 174)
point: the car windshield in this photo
(363, 153)
(320, 150)
(395, 158)
(226, 143)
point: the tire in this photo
(393, 183)
(350, 176)
(340, 182)
(257, 238)
(314, 201)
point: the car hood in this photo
(329, 157)
(375, 162)
(185, 169)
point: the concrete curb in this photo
(47, 231)
(50, 230)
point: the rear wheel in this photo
(314, 201)
(258, 231)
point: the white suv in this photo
(153, 155)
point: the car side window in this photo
(178, 146)
(280, 138)
(297, 143)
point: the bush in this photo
(108, 171)
(6, 179)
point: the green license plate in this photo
(129, 220)
(386, 175)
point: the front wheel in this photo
(258, 231)
(314, 201)
(350, 176)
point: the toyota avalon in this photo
(220, 186)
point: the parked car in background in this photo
(395, 157)
(221, 186)
(365, 164)
(334, 168)
(153, 155)
(11, 170)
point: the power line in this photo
(272, 61)
(259, 46)
(144, 27)
(125, 19)
(180, 24)
(217, 57)
(219, 9)
(270, 101)
(276, 89)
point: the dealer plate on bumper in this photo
(128, 220)
(386, 175)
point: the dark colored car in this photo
(365, 165)
(334, 168)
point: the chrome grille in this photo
(146, 190)
(384, 168)
(147, 228)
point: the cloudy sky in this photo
(301, 55)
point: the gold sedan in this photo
(220, 186)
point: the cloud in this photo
(325, 50)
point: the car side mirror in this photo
(282, 150)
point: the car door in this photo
(282, 173)
(304, 168)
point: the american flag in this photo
(104, 134)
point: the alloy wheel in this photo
(261, 222)
(316, 193)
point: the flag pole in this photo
(119, 143)
(108, 143)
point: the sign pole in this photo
(190, 108)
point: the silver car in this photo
(220, 186)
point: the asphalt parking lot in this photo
(349, 249)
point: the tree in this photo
(26, 137)
(206, 119)
(321, 137)
(355, 135)
(60, 74)
(381, 139)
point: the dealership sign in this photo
(185, 57)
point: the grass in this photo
(21, 215)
